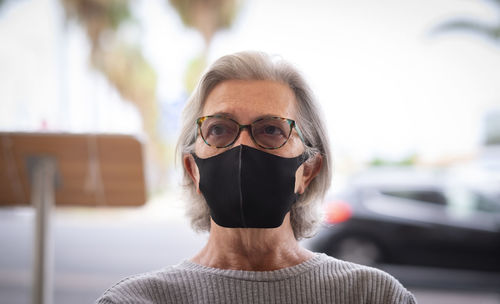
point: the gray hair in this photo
(306, 213)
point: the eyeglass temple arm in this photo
(300, 133)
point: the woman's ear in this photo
(310, 169)
(192, 170)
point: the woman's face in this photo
(246, 101)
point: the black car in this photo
(412, 219)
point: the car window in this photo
(486, 204)
(426, 196)
(470, 201)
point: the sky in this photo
(388, 87)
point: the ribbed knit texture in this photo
(321, 279)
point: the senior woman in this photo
(256, 164)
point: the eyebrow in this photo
(223, 114)
(229, 115)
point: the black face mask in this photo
(248, 188)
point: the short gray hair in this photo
(306, 213)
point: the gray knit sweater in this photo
(321, 279)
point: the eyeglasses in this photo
(268, 132)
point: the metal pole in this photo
(42, 198)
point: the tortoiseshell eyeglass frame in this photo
(290, 122)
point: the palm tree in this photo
(490, 31)
(121, 62)
(207, 17)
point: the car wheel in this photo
(357, 250)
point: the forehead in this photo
(246, 100)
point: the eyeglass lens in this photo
(268, 132)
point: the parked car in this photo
(412, 218)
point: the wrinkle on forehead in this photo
(247, 100)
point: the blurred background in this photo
(410, 95)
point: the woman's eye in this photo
(217, 130)
(272, 130)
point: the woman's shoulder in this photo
(140, 288)
(369, 281)
(346, 268)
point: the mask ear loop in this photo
(302, 158)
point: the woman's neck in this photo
(252, 249)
